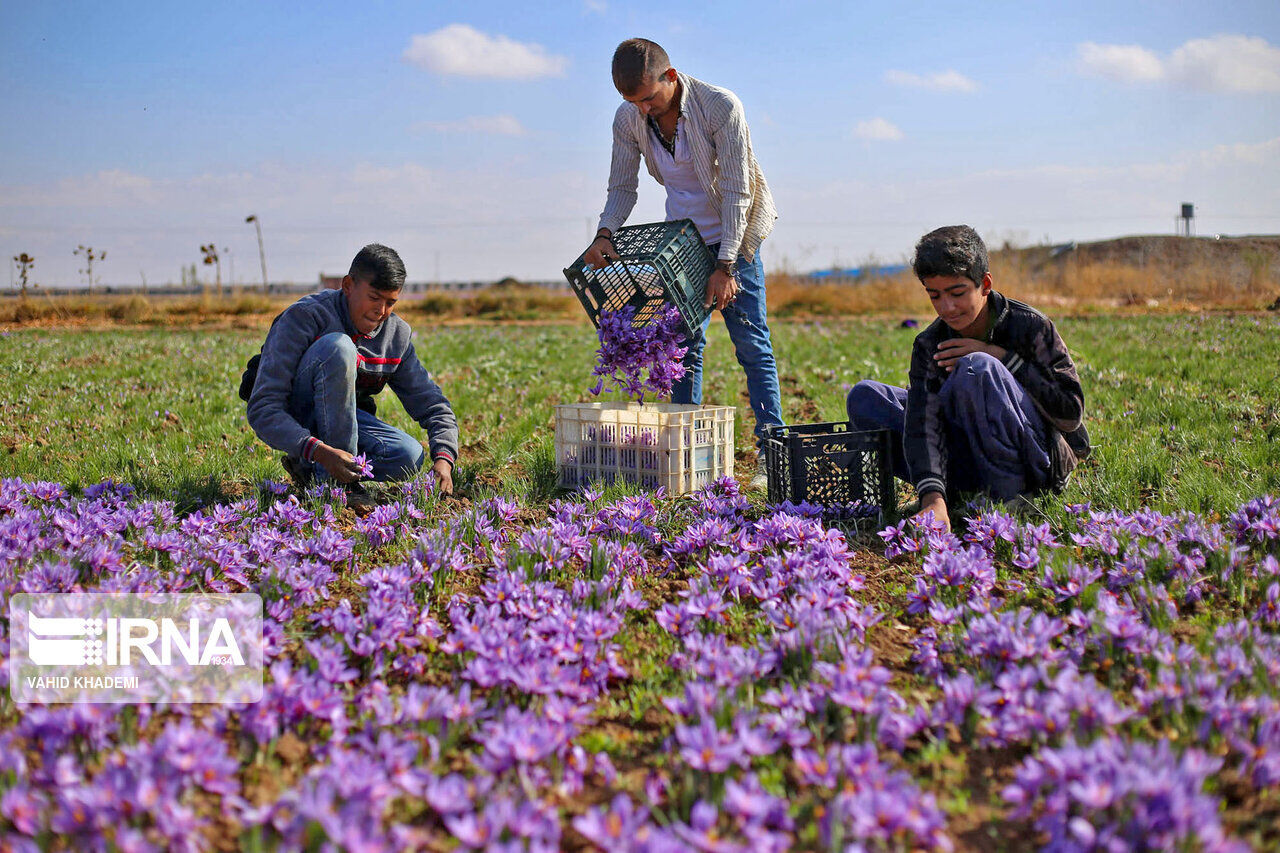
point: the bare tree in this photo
(211, 259)
(89, 257)
(25, 262)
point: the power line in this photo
(329, 229)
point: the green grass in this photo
(1183, 409)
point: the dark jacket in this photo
(1037, 358)
(384, 357)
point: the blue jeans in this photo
(997, 442)
(324, 401)
(747, 322)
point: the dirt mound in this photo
(1243, 261)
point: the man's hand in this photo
(600, 253)
(936, 503)
(956, 348)
(337, 462)
(443, 471)
(722, 288)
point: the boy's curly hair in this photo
(954, 250)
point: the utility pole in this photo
(262, 254)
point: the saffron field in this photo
(518, 668)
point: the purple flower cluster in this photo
(444, 677)
(1034, 643)
(1115, 795)
(640, 359)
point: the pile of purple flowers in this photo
(656, 674)
(1113, 795)
(640, 359)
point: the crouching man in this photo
(995, 405)
(323, 361)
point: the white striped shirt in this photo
(722, 157)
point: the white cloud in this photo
(942, 81)
(1127, 63)
(1223, 63)
(464, 51)
(1227, 64)
(497, 125)
(877, 129)
(1257, 154)
(598, 7)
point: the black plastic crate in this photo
(658, 263)
(830, 465)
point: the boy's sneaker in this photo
(297, 472)
(359, 498)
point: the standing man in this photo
(325, 357)
(694, 140)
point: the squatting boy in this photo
(994, 405)
(324, 359)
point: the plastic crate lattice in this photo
(659, 263)
(678, 447)
(829, 464)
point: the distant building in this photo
(330, 282)
(854, 275)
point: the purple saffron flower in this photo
(362, 466)
(620, 827)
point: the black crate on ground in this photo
(830, 465)
(658, 263)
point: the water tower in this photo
(1186, 221)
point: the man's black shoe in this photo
(300, 476)
(359, 498)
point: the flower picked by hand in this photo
(363, 466)
(639, 359)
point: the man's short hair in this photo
(636, 62)
(379, 266)
(954, 250)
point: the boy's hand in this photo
(337, 462)
(956, 348)
(936, 503)
(722, 288)
(443, 471)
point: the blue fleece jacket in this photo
(385, 356)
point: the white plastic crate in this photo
(679, 447)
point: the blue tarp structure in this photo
(858, 272)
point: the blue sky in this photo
(475, 138)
